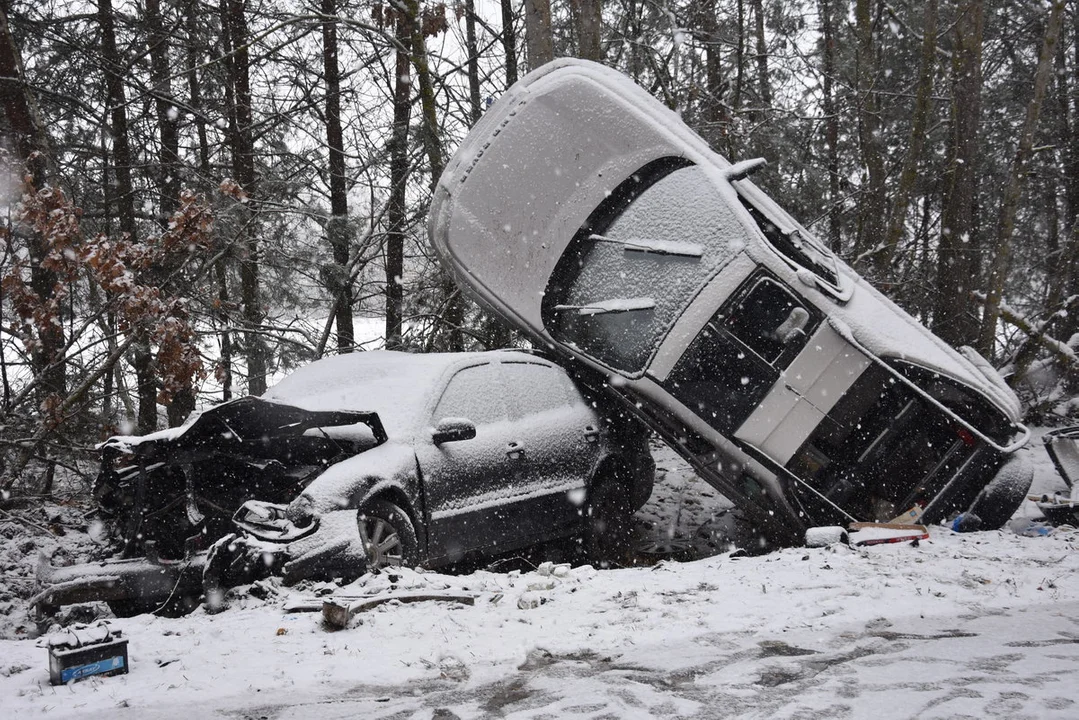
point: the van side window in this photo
(759, 318)
(734, 361)
(719, 380)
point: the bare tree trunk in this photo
(872, 199)
(1068, 267)
(454, 313)
(237, 65)
(715, 118)
(125, 197)
(957, 258)
(31, 146)
(919, 122)
(764, 84)
(337, 227)
(538, 40)
(205, 171)
(395, 214)
(588, 16)
(1001, 254)
(509, 42)
(20, 108)
(183, 400)
(473, 62)
(167, 114)
(831, 122)
(739, 57)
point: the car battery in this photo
(84, 651)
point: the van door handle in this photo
(591, 434)
(514, 450)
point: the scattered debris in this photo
(86, 650)
(862, 534)
(337, 611)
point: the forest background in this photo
(199, 196)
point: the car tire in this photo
(999, 500)
(609, 528)
(388, 536)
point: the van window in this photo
(787, 237)
(731, 365)
(759, 317)
(638, 262)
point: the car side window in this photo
(730, 366)
(535, 388)
(474, 393)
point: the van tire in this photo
(999, 500)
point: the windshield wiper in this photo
(615, 305)
(655, 247)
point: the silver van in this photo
(588, 215)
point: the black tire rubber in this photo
(999, 500)
(406, 553)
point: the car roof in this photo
(396, 385)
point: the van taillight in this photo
(965, 436)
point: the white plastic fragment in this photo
(825, 535)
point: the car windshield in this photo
(638, 262)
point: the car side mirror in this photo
(453, 429)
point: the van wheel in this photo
(999, 500)
(388, 536)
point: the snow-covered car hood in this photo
(249, 418)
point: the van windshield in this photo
(638, 262)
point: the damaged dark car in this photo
(453, 455)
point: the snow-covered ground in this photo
(975, 625)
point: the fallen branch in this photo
(338, 611)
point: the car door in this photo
(561, 448)
(466, 481)
(731, 372)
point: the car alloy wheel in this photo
(387, 536)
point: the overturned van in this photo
(586, 214)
